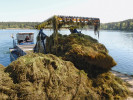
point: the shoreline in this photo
(126, 78)
(17, 29)
(121, 73)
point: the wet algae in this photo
(79, 70)
(6, 85)
(83, 51)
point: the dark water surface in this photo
(119, 44)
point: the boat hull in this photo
(14, 54)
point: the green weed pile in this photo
(79, 70)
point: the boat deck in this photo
(25, 49)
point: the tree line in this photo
(22, 25)
(126, 25)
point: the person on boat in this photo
(96, 30)
(43, 37)
(74, 31)
(40, 40)
(27, 39)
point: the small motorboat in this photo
(23, 44)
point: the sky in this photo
(40, 10)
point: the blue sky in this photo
(39, 10)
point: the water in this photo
(6, 42)
(119, 44)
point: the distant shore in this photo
(19, 28)
(16, 29)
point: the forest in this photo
(17, 25)
(126, 25)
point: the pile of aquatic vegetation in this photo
(80, 72)
(47, 77)
(83, 51)
(6, 85)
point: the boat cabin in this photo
(25, 38)
(23, 45)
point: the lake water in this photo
(119, 44)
